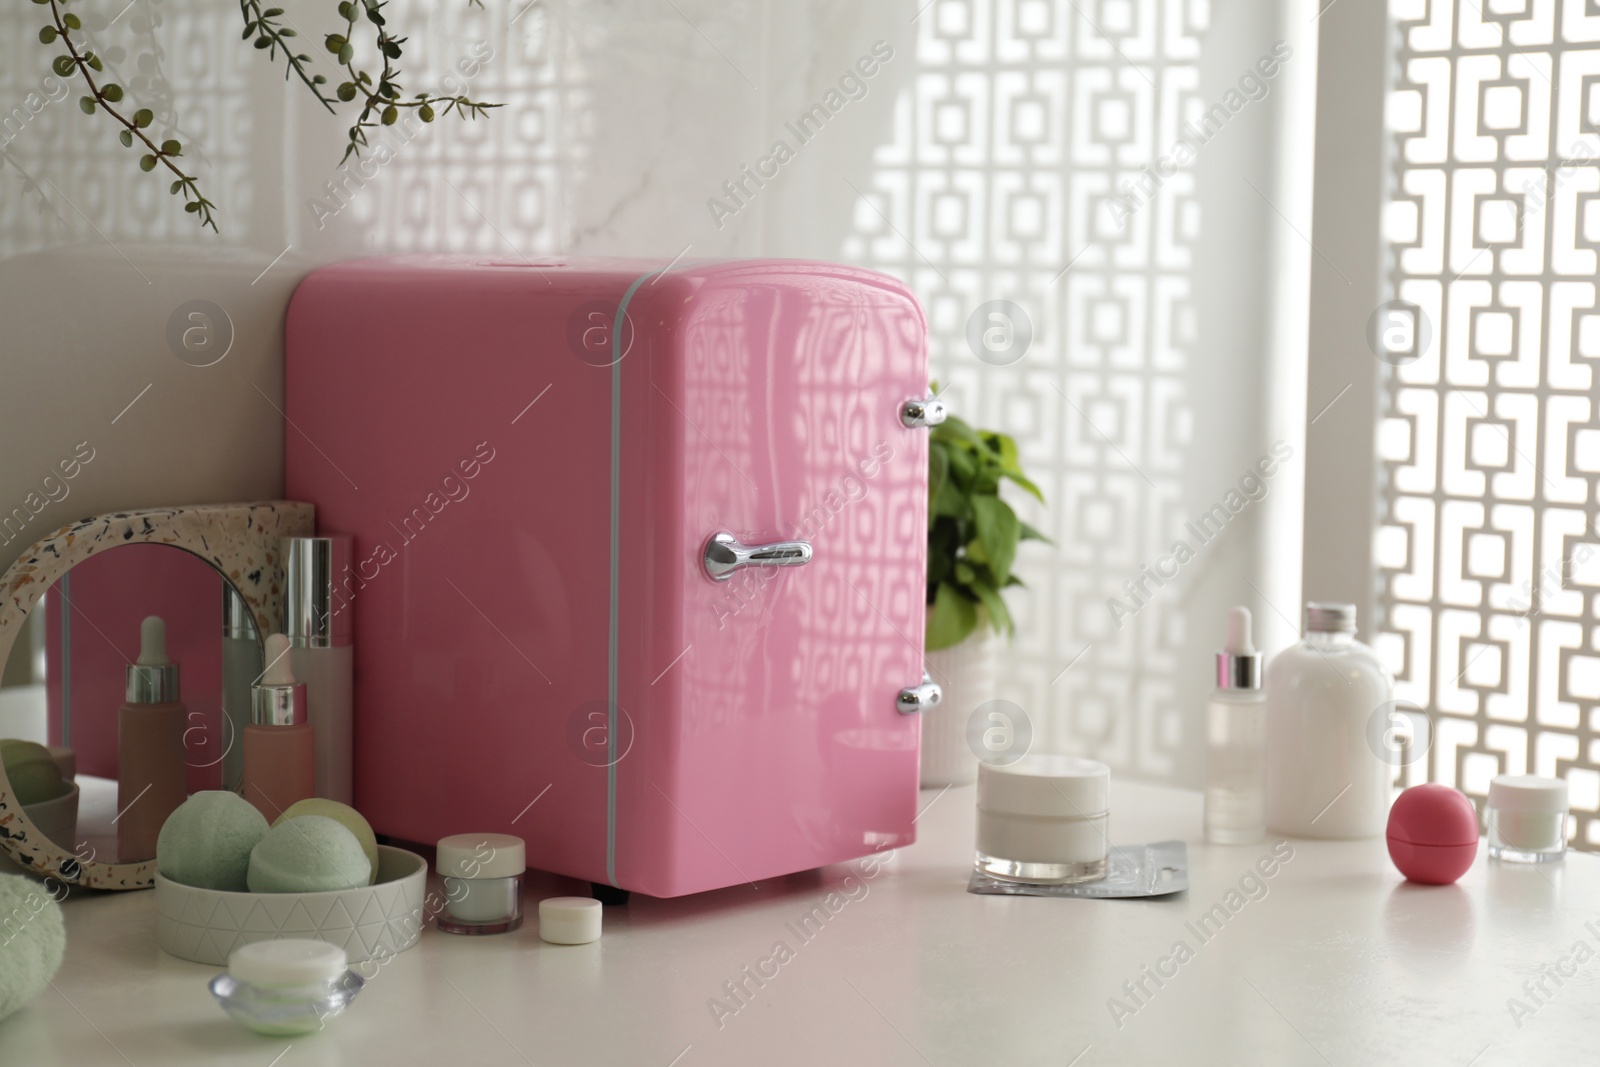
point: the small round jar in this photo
(286, 987)
(482, 883)
(1527, 819)
(1433, 834)
(1042, 820)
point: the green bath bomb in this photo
(344, 815)
(33, 773)
(33, 942)
(207, 841)
(308, 854)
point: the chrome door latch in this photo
(724, 555)
(917, 698)
(926, 412)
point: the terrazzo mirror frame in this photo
(240, 542)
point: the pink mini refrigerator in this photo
(639, 554)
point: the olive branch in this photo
(380, 97)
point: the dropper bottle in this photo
(1236, 734)
(279, 747)
(152, 774)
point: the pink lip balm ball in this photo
(1433, 834)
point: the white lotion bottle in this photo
(318, 626)
(1325, 777)
(1236, 738)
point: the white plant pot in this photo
(966, 673)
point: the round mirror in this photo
(98, 755)
(129, 643)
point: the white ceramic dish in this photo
(204, 925)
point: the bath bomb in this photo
(33, 773)
(308, 854)
(206, 842)
(346, 816)
(31, 950)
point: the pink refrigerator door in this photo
(766, 736)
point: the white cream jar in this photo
(1043, 819)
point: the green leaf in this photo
(346, 54)
(951, 618)
(171, 148)
(335, 43)
(192, 206)
(111, 91)
(998, 531)
(71, 21)
(390, 113)
(1021, 479)
(347, 11)
(126, 137)
(93, 61)
(425, 113)
(143, 117)
(47, 35)
(994, 604)
(86, 104)
(62, 65)
(1030, 533)
(147, 162)
(177, 183)
(346, 91)
(249, 28)
(263, 42)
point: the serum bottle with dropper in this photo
(279, 747)
(1236, 738)
(152, 774)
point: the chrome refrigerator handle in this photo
(917, 698)
(915, 413)
(724, 555)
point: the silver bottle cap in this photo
(1328, 618)
(1241, 671)
(237, 619)
(317, 614)
(147, 684)
(152, 678)
(281, 701)
(1239, 664)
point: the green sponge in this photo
(32, 940)
(206, 842)
(33, 773)
(308, 854)
(346, 816)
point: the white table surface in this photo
(1339, 963)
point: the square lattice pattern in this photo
(1488, 544)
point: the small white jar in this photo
(1043, 820)
(1527, 818)
(482, 883)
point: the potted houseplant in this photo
(972, 543)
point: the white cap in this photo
(1058, 786)
(287, 962)
(569, 920)
(481, 856)
(1531, 793)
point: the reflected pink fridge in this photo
(639, 554)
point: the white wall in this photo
(621, 120)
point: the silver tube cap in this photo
(316, 613)
(146, 684)
(1328, 618)
(1239, 671)
(237, 619)
(278, 705)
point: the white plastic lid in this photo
(288, 962)
(569, 920)
(481, 856)
(1528, 793)
(1060, 786)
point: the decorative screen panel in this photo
(1488, 548)
(1025, 120)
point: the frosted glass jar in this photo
(1043, 820)
(1527, 818)
(482, 883)
(1325, 777)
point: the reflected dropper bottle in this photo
(279, 746)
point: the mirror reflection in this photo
(125, 691)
